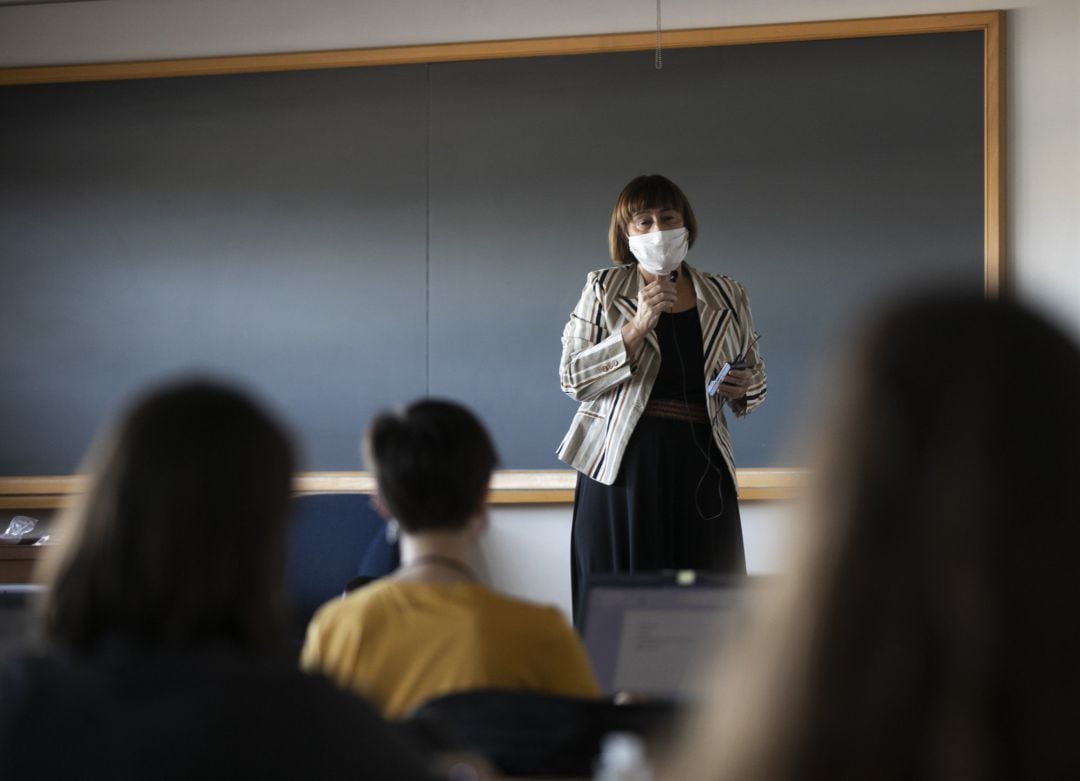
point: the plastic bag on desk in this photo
(20, 532)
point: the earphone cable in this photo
(707, 451)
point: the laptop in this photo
(650, 633)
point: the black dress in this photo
(673, 502)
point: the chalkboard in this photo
(344, 240)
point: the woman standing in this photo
(653, 350)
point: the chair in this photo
(334, 539)
(16, 618)
(529, 733)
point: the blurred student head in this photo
(432, 462)
(179, 539)
(928, 628)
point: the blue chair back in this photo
(333, 539)
(15, 612)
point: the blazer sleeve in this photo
(755, 393)
(594, 360)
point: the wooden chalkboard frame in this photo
(556, 486)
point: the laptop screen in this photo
(650, 634)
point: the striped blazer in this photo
(595, 368)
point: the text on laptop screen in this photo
(652, 639)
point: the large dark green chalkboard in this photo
(343, 240)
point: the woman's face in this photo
(649, 220)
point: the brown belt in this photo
(677, 410)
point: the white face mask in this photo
(660, 252)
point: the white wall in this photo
(1043, 174)
(528, 549)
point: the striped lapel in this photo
(716, 311)
(624, 298)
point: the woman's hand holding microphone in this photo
(654, 299)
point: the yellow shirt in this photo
(401, 643)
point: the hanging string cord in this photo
(659, 57)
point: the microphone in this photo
(674, 275)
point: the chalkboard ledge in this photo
(508, 486)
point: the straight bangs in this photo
(649, 192)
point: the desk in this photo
(17, 562)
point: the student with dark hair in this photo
(928, 630)
(163, 618)
(432, 627)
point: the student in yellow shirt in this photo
(432, 628)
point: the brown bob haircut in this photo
(432, 461)
(180, 539)
(649, 191)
